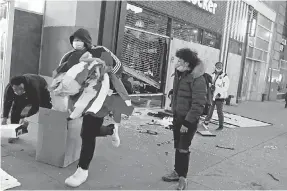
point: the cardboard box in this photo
(59, 141)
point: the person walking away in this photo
(25, 94)
(219, 88)
(189, 99)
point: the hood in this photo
(83, 35)
(199, 70)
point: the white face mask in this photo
(218, 70)
(78, 45)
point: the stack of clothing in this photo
(85, 85)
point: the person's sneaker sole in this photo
(169, 180)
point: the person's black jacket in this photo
(34, 87)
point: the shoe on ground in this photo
(115, 136)
(219, 129)
(173, 176)
(78, 178)
(182, 183)
(205, 125)
(12, 140)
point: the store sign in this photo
(207, 5)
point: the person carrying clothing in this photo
(189, 98)
(117, 101)
(25, 94)
(219, 88)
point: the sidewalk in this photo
(139, 162)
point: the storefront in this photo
(151, 26)
(6, 30)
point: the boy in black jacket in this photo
(26, 93)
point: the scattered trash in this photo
(165, 122)
(222, 147)
(8, 181)
(137, 113)
(273, 177)
(206, 133)
(270, 147)
(163, 143)
(159, 114)
(125, 117)
(149, 132)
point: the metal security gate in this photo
(144, 49)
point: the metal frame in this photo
(140, 30)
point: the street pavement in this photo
(143, 158)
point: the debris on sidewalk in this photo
(206, 133)
(136, 113)
(149, 132)
(164, 143)
(222, 147)
(272, 176)
(270, 147)
(8, 181)
(160, 115)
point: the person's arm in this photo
(199, 91)
(8, 101)
(107, 56)
(225, 84)
(34, 100)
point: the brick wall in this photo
(26, 43)
(189, 13)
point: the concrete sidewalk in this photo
(140, 162)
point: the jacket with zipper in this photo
(189, 95)
(221, 85)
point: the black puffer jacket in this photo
(189, 95)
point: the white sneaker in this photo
(78, 178)
(115, 137)
(205, 126)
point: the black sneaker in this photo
(219, 129)
(173, 176)
(182, 184)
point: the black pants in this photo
(91, 128)
(182, 142)
(21, 102)
(219, 107)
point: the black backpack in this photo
(208, 80)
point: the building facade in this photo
(146, 34)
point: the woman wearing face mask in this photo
(189, 99)
(117, 101)
(219, 88)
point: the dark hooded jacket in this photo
(72, 58)
(189, 95)
(36, 94)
